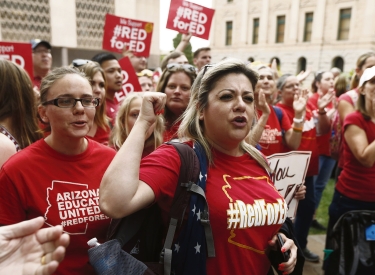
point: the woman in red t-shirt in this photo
(100, 129)
(346, 102)
(289, 86)
(175, 82)
(276, 129)
(355, 189)
(219, 117)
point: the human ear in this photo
(42, 113)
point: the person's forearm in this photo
(324, 123)
(121, 179)
(369, 155)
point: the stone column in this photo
(263, 23)
(244, 22)
(294, 24)
(63, 23)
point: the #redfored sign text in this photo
(187, 17)
(19, 53)
(121, 32)
(130, 81)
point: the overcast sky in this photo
(166, 35)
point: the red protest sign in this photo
(19, 53)
(187, 17)
(121, 32)
(130, 81)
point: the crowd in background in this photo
(64, 136)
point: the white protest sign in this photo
(289, 172)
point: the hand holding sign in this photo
(289, 176)
(186, 17)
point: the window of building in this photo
(280, 28)
(344, 24)
(255, 30)
(308, 27)
(228, 38)
(301, 65)
(338, 62)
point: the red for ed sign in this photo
(19, 53)
(121, 32)
(187, 17)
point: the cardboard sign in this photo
(121, 32)
(130, 81)
(289, 174)
(19, 53)
(187, 17)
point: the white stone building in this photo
(315, 34)
(73, 27)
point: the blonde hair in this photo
(120, 131)
(90, 69)
(191, 127)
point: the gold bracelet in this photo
(297, 130)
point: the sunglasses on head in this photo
(186, 67)
(80, 62)
(145, 72)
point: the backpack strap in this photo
(189, 173)
(278, 112)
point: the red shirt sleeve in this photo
(160, 170)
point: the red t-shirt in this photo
(323, 140)
(308, 140)
(357, 181)
(171, 133)
(271, 141)
(38, 181)
(37, 80)
(111, 109)
(101, 135)
(232, 183)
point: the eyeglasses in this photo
(46, 51)
(145, 72)
(69, 102)
(172, 67)
(80, 62)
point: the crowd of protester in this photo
(64, 137)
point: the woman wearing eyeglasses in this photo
(100, 129)
(58, 177)
(175, 82)
(246, 211)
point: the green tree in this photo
(188, 50)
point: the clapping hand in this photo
(326, 99)
(300, 101)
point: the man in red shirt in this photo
(42, 60)
(112, 71)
